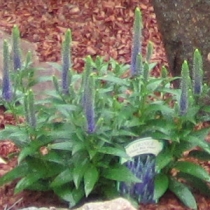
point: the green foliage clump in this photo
(72, 141)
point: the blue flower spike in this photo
(136, 45)
(185, 85)
(7, 93)
(66, 62)
(16, 48)
(89, 102)
(197, 72)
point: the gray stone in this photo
(116, 204)
(45, 68)
(184, 26)
(43, 208)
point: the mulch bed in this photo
(99, 27)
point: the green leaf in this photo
(181, 148)
(193, 169)
(113, 79)
(78, 147)
(161, 185)
(201, 155)
(123, 133)
(195, 182)
(90, 178)
(154, 84)
(71, 195)
(15, 134)
(66, 109)
(46, 168)
(183, 193)
(40, 185)
(163, 159)
(152, 65)
(113, 151)
(33, 147)
(55, 65)
(78, 172)
(44, 79)
(202, 133)
(120, 173)
(61, 146)
(28, 180)
(19, 171)
(196, 141)
(63, 133)
(160, 107)
(63, 178)
(54, 157)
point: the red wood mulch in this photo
(99, 27)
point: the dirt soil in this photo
(99, 27)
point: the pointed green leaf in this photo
(163, 159)
(120, 173)
(19, 171)
(193, 169)
(54, 157)
(197, 141)
(195, 182)
(201, 155)
(113, 151)
(63, 178)
(15, 134)
(161, 185)
(55, 65)
(78, 172)
(90, 178)
(71, 195)
(113, 79)
(61, 146)
(28, 180)
(25, 152)
(183, 193)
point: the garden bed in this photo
(44, 25)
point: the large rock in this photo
(46, 69)
(184, 26)
(116, 204)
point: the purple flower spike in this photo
(30, 108)
(66, 63)
(89, 104)
(136, 47)
(16, 48)
(88, 95)
(7, 93)
(184, 98)
(197, 72)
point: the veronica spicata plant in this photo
(16, 48)
(66, 59)
(74, 140)
(7, 92)
(136, 46)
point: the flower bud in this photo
(197, 72)
(16, 48)
(7, 94)
(29, 108)
(136, 46)
(185, 81)
(66, 62)
(89, 102)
